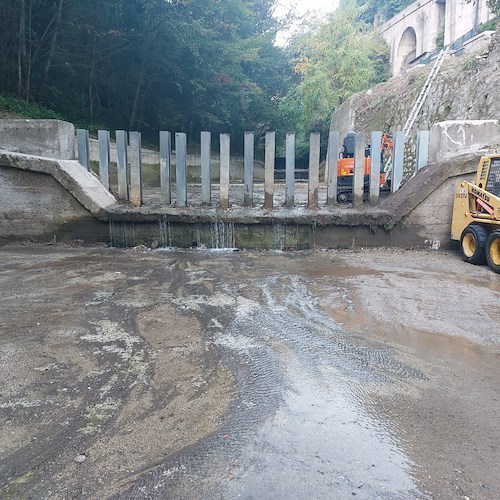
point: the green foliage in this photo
(20, 109)
(470, 63)
(183, 65)
(380, 10)
(440, 40)
(490, 25)
(494, 6)
(333, 61)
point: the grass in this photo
(11, 107)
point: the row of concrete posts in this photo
(129, 166)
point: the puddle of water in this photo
(322, 444)
(298, 427)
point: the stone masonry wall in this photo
(467, 88)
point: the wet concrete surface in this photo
(197, 374)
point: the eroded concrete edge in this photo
(429, 179)
(84, 186)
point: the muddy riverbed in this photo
(197, 374)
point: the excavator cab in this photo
(349, 145)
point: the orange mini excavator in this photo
(345, 166)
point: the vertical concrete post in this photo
(225, 155)
(122, 164)
(248, 155)
(103, 139)
(206, 171)
(180, 168)
(165, 180)
(375, 166)
(358, 180)
(314, 145)
(398, 160)
(269, 169)
(422, 149)
(82, 137)
(331, 168)
(290, 169)
(135, 169)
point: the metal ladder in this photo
(420, 101)
(424, 92)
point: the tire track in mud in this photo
(272, 324)
(84, 408)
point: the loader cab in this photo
(488, 174)
(493, 178)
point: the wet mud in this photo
(196, 374)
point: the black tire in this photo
(493, 251)
(473, 244)
(343, 197)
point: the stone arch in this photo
(407, 49)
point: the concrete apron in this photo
(218, 230)
(73, 204)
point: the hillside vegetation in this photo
(11, 107)
(466, 88)
(182, 65)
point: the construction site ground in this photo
(221, 374)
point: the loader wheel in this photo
(473, 244)
(493, 251)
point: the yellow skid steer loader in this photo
(476, 215)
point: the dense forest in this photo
(186, 65)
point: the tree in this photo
(333, 61)
(380, 10)
(494, 6)
(182, 65)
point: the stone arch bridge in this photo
(417, 31)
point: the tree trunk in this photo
(28, 61)
(21, 56)
(135, 104)
(53, 43)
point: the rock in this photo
(79, 459)
(140, 248)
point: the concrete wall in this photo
(440, 203)
(462, 16)
(423, 207)
(344, 118)
(35, 207)
(45, 199)
(452, 138)
(151, 164)
(49, 138)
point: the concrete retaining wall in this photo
(45, 198)
(48, 138)
(151, 164)
(35, 207)
(424, 205)
(452, 138)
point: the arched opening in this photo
(407, 50)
